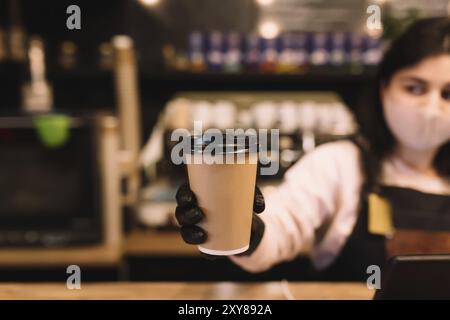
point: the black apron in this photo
(427, 215)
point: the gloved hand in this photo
(188, 214)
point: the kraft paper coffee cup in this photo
(224, 191)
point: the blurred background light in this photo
(264, 2)
(149, 2)
(269, 29)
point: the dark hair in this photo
(423, 39)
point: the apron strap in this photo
(368, 165)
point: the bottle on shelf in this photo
(3, 50)
(338, 56)
(233, 55)
(106, 56)
(183, 64)
(68, 55)
(196, 52)
(356, 53)
(286, 61)
(168, 54)
(215, 54)
(372, 50)
(252, 52)
(320, 55)
(17, 35)
(301, 54)
(269, 56)
(37, 94)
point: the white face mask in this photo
(420, 128)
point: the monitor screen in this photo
(47, 187)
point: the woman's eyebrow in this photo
(415, 79)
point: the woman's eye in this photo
(415, 89)
(446, 94)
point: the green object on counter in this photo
(53, 130)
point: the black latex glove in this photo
(188, 214)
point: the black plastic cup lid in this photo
(225, 143)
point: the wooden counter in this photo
(137, 243)
(195, 291)
(98, 256)
(157, 243)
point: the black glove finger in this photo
(258, 203)
(185, 196)
(193, 234)
(258, 228)
(188, 215)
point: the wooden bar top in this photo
(157, 243)
(99, 255)
(137, 243)
(194, 291)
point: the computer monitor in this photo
(416, 277)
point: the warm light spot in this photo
(269, 29)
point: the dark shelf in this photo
(91, 88)
(206, 79)
(246, 76)
(235, 81)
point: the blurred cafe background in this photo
(86, 117)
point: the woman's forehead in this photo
(432, 69)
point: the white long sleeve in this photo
(313, 211)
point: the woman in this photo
(353, 203)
